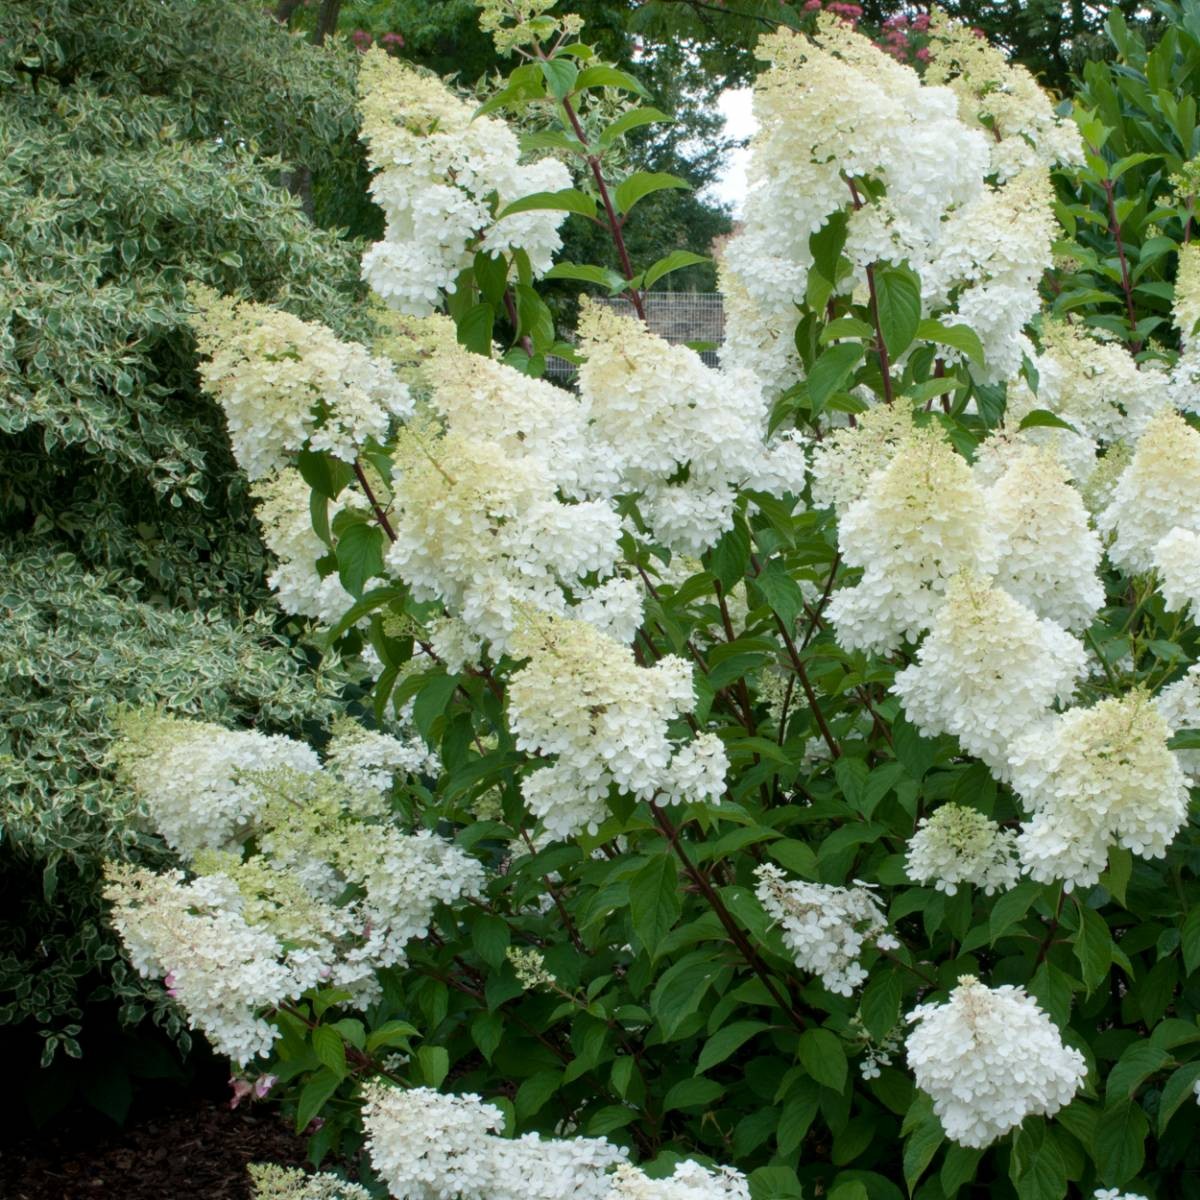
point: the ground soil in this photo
(196, 1151)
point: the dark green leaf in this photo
(654, 901)
(643, 183)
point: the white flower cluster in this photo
(1179, 705)
(656, 409)
(486, 533)
(272, 1182)
(1047, 553)
(1177, 561)
(988, 670)
(288, 385)
(285, 514)
(436, 171)
(844, 461)
(959, 845)
(427, 1145)
(1115, 1194)
(824, 926)
(222, 970)
(368, 762)
(989, 1058)
(333, 893)
(198, 782)
(835, 108)
(1157, 494)
(920, 520)
(689, 1181)
(583, 697)
(1092, 777)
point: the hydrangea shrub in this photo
(776, 781)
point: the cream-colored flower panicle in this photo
(989, 1058)
(958, 845)
(1158, 492)
(200, 784)
(844, 460)
(824, 926)
(1002, 98)
(988, 670)
(1177, 561)
(1093, 778)
(656, 409)
(436, 170)
(1179, 705)
(583, 698)
(273, 1182)
(689, 1181)
(920, 521)
(1048, 554)
(485, 532)
(288, 385)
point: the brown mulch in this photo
(198, 1151)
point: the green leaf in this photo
(958, 1167)
(1120, 1142)
(959, 337)
(535, 1091)
(654, 901)
(487, 1031)
(587, 273)
(777, 1182)
(1190, 939)
(1178, 1088)
(631, 120)
(390, 1033)
(313, 1097)
(1040, 1174)
(796, 1119)
(491, 274)
(725, 1041)
(434, 1062)
(1093, 947)
(692, 1093)
(823, 1057)
(898, 301)
(330, 1049)
(643, 183)
(436, 689)
(881, 1003)
(827, 243)
(1009, 908)
(1137, 1063)
(831, 370)
(566, 200)
(680, 989)
(603, 75)
(780, 591)
(730, 557)
(491, 938)
(475, 328)
(560, 75)
(1043, 417)
(359, 556)
(675, 261)
(919, 1148)
(1120, 868)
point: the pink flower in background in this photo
(241, 1089)
(362, 39)
(263, 1084)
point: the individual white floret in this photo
(989, 669)
(824, 926)
(1093, 778)
(989, 1058)
(959, 845)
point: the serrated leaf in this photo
(1120, 1142)
(958, 337)
(359, 556)
(830, 372)
(1043, 418)
(313, 1097)
(434, 1062)
(330, 1049)
(560, 75)
(675, 261)
(898, 302)
(1180, 1087)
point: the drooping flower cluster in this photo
(272, 1182)
(988, 670)
(959, 845)
(426, 1145)
(436, 171)
(1092, 777)
(198, 782)
(920, 521)
(658, 413)
(583, 697)
(989, 1058)
(689, 1181)
(824, 926)
(299, 876)
(288, 385)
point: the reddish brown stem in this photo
(380, 515)
(1114, 227)
(885, 362)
